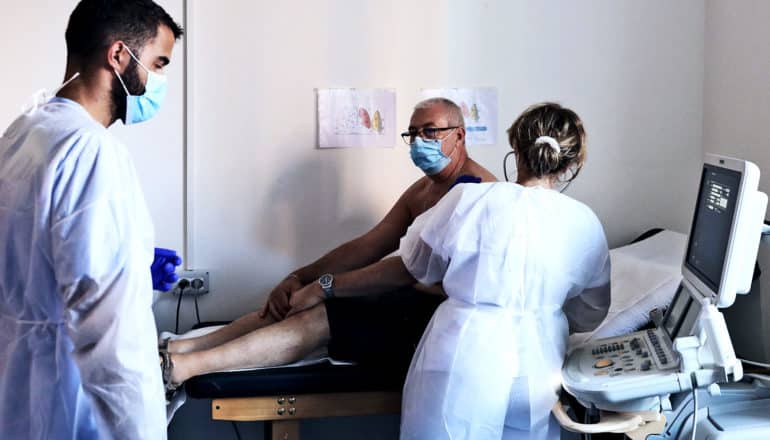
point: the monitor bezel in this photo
(744, 168)
(682, 294)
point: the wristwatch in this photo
(327, 281)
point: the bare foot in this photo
(181, 346)
(179, 373)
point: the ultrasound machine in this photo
(648, 384)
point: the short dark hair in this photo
(95, 24)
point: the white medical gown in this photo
(511, 258)
(78, 348)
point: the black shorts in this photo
(383, 330)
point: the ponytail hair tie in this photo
(550, 141)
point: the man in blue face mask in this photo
(339, 300)
(429, 130)
(78, 347)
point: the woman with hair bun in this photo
(522, 265)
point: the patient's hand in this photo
(305, 298)
(278, 302)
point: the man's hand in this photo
(278, 302)
(307, 297)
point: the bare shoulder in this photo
(475, 169)
(419, 196)
(417, 187)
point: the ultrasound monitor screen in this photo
(710, 232)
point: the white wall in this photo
(266, 200)
(33, 56)
(736, 116)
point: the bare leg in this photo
(281, 343)
(235, 329)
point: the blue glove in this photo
(163, 268)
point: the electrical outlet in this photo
(193, 282)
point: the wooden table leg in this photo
(282, 430)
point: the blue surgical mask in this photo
(427, 155)
(143, 107)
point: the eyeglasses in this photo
(425, 133)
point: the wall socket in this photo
(193, 278)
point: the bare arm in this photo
(357, 253)
(366, 249)
(383, 276)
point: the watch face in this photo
(325, 280)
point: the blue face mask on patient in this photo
(427, 155)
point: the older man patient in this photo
(344, 299)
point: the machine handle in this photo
(610, 422)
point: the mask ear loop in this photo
(505, 162)
(136, 59)
(121, 82)
(441, 142)
(137, 62)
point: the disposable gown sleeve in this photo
(424, 248)
(588, 309)
(102, 277)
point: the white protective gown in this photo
(510, 258)
(78, 348)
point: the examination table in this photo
(282, 396)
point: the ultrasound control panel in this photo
(637, 353)
(610, 371)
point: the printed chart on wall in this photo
(479, 108)
(356, 118)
